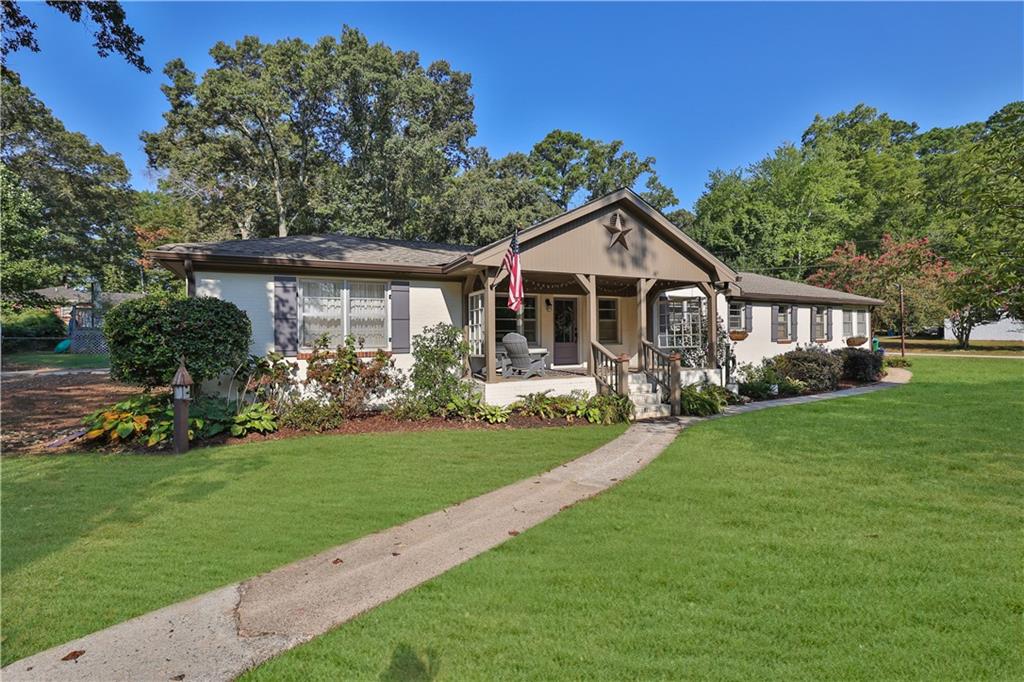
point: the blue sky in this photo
(698, 86)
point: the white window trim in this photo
(345, 302)
(788, 307)
(743, 316)
(618, 320)
(536, 309)
(477, 332)
(824, 322)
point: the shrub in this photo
(819, 369)
(494, 414)
(697, 402)
(271, 379)
(312, 414)
(353, 385)
(897, 361)
(30, 324)
(256, 417)
(542, 405)
(609, 408)
(439, 355)
(146, 337)
(860, 364)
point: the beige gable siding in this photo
(582, 247)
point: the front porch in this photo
(592, 333)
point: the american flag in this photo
(515, 274)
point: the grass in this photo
(1007, 348)
(873, 538)
(89, 541)
(50, 360)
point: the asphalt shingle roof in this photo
(762, 286)
(331, 247)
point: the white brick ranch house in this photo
(612, 288)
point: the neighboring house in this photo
(83, 311)
(1006, 329)
(611, 285)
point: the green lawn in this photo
(1008, 348)
(876, 538)
(50, 360)
(89, 541)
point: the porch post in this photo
(643, 287)
(490, 344)
(709, 291)
(675, 383)
(589, 285)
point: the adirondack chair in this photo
(520, 363)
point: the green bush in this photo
(437, 376)
(897, 361)
(31, 323)
(697, 402)
(354, 385)
(146, 337)
(817, 368)
(860, 364)
(541, 404)
(312, 414)
(608, 408)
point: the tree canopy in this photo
(108, 24)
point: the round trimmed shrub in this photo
(147, 335)
(21, 327)
(817, 368)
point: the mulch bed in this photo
(37, 409)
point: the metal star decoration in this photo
(616, 227)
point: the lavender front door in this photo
(566, 336)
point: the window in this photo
(338, 308)
(847, 323)
(783, 323)
(862, 323)
(505, 319)
(737, 315)
(322, 307)
(476, 323)
(608, 320)
(821, 323)
(679, 323)
(368, 314)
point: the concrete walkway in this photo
(221, 634)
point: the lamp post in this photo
(181, 384)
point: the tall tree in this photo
(570, 166)
(24, 241)
(110, 29)
(337, 135)
(83, 189)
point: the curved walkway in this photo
(221, 634)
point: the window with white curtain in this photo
(862, 323)
(820, 323)
(737, 316)
(476, 323)
(322, 311)
(368, 314)
(847, 323)
(340, 308)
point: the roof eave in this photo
(790, 298)
(171, 258)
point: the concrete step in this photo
(653, 411)
(645, 398)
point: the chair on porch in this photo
(520, 363)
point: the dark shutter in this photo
(775, 323)
(286, 315)
(748, 317)
(794, 312)
(400, 317)
(828, 324)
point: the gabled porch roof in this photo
(657, 244)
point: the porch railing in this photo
(666, 371)
(610, 370)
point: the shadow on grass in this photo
(49, 503)
(407, 665)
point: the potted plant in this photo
(856, 341)
(738, 334)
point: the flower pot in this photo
(738, 335)
(856, 341)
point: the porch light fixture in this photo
(547, 304)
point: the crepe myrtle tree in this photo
(147, 336)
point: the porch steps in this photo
(645, 396)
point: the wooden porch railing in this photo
(666, 371)
(611, 371)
